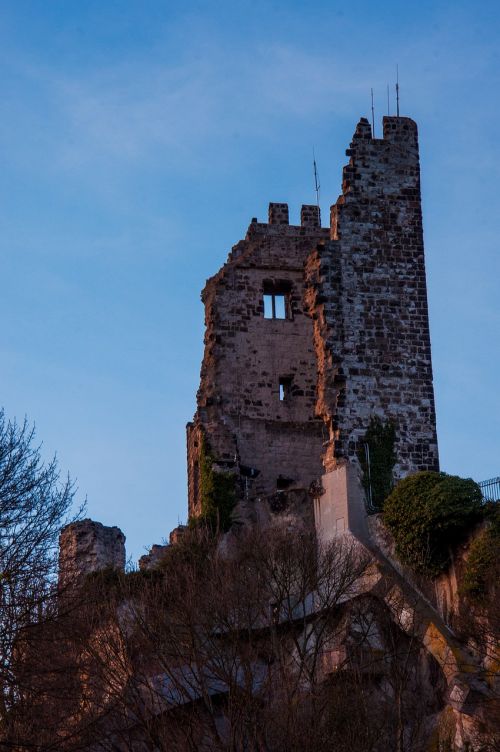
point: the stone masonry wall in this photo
(87, 546)
(368, 299)
(239, 409)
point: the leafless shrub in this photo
(33, 506)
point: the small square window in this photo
(285, 387)
(277, 300)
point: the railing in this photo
(490, 489)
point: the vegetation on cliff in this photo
(482, 568)
(428, 514)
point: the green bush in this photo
(429, 513)
(482, 566)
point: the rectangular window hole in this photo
(268, 307)
(279, 307)
(285, 388)
(282, 483)
(275, 306)
(276, 297)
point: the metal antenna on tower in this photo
(373, 117)
(388, 102)
(317, 185)
(397, 90)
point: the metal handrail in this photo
(490, 489)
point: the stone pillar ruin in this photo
(87, 546)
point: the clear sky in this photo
(137, 140)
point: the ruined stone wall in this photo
(239, 410)
(87, 546)
(368, 298)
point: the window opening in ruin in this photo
(276, 300)
(275, 307)
(268, 307)
(282, 483)
(285, 388)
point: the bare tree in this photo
(254, 642)
(34, 504)
(262, 646)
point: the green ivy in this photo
(380, 438)
(482, 567)
(217, 492)
(428, 513)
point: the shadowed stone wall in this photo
(369, 302)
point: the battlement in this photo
(278, 219)
(278, 214)
(395, 129)
(310, 216)
(400, 129)
(387, 165)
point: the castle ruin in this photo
(311, 332)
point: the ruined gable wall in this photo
(368, 296)
(239, 408)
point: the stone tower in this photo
(311, 332)
(368, 298)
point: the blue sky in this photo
(137, 140)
